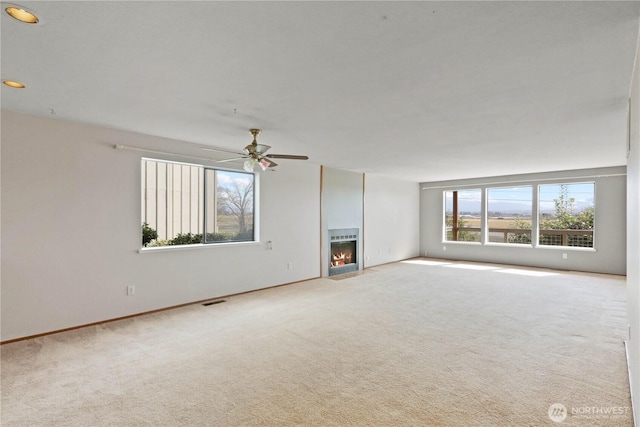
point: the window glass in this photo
(462, 215)
(230, 206)
(175, 210)
(509, 214)
(567, 214)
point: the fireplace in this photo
(343, 251)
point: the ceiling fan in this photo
(254, 154)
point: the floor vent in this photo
(206, 304)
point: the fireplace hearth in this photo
(343, 251)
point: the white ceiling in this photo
(421, 91)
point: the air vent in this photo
(220, 301)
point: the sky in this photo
(225, 177)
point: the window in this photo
(229, 206)
(566, 214)
(463, 215)
(509, 214)
(180, 201)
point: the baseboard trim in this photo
(633, 409)
(144, 313)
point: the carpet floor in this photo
(418, 343)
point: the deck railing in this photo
(551, 237)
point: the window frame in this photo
(593, 227)
(202, 197)
(444, 223)
(487, 228)
(205, 233)
(535, 214)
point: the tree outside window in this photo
(232, 197)
(567, 214)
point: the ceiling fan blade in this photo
(220, 150)
(271, 164)
(287, 156)
(231, 160)
(261, 148)
(266, 163)
(256, 148)
(254, 152)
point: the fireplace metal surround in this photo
(343, 250)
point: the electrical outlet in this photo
(444, 248)
(131, 290)
(290, 266)
(564, 256)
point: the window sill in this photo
(566, 248)
(522, 246)
(510, 245)
(460, 242)
(194, 247)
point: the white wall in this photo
(342, 197)
(633, 241)
(71, 230)
(610, 225)
(392, 220)
(385, 210)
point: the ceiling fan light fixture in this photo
(21, 14)
(249, 164)
(264, 164)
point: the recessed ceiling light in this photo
(21, 14)
(14, 84)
